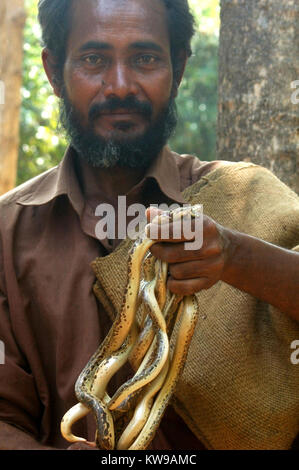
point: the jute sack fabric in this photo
(239, 388)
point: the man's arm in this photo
(266, 271)
(20, 405)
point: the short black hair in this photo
(54, 18)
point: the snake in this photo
(99, 398)
(142, 411)
(148, 350)
(147, 333)
(146, 375)
(189, 316)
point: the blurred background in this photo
(239, 99)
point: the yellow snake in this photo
(154, 382)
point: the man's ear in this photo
(180, 70)
(49, 66)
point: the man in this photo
(117, 67)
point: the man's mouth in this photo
(120, 112)
(123, 120)
(115, 108)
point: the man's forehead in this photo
(142, 16)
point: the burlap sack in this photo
(239, 388)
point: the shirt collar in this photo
(166, 172)
(55, 182)
(62, 180)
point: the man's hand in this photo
(189, 270)
(266, 271)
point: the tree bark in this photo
(258, 117)
(12, 19)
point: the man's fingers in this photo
(163, 230)
(208, 268)
(190, 269)
(151, 213)
(189, 286)
(176, 253)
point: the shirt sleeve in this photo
(19, 402)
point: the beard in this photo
(129, 152)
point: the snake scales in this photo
(143, 399)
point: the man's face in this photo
(118, 76)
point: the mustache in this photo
(130, 103)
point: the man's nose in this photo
(119, 82)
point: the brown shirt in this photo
(50, 320)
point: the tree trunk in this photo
(12, 19)
(259, 85)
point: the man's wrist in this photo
(230, 241)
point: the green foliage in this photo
(41, 146)
(197, 101)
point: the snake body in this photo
(98, 399)
(143, 343)
(148, 350)
(189, 315)
(147, 334)
(142, 411)
(148, 374)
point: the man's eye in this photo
(146, 59)
(94, 60)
